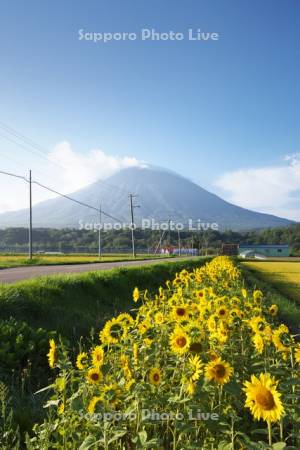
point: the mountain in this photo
(162, 194)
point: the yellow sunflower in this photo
(81, 360)
(273, 310)
(94, 375)
(180, 313)
(126, 318)
(258, 342)
(155, 376)
(195, 365)
(282, 339)
(159, 318)
(52, 354)
(93, 403)
(136, 294)
(218, 371)
(112, 394)
(222, 312)
(98, 356)
(263, 399)
(113, 332)
(179, 341)
(258, 324)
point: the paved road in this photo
(26, 272)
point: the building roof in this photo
(264, 246)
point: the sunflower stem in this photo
(270, 432)
(281, 429)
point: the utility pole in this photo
(99, 237)
(179, 242)
(132, 206)
(30, 216)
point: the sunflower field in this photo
(203, 364)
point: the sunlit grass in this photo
(284, 276)
(7, 261)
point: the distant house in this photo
(230, 249)
(264, 250)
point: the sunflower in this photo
(126, 318)
(258, 342)
(159, 318)
(273, 310)
(218, 371)
(180, 313)
(81, 360)
(112, 394)
(61, 409)
(125, 364)
(179, 341)
(113, 332)
(97, 356)
(282, 339)
(155, 376)
(195, 366)
(52, 354)
(212, 322)
(94, 375)
(258, 324)
(263, 399)
(144, 326)
(244, 293)
(257, 296)
(222, 312)
(93, 403)
(136, 294)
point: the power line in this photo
(35, 148)
(40, 150)
(62, 195)
(13, 175)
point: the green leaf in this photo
(279, 446)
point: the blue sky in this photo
(223, 113)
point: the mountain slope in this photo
(161, 194)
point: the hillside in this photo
(161, 194)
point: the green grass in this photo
(72, 304)
(289, 308)
(10, 261)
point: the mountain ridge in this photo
(162, 195)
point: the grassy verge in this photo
(11, 261)
(72, 304)
(289, 309)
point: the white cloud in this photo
(78, 170)
(67, 170)
(274, 190)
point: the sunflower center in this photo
(220, 370)
(181, 341)
(95, 376)
(156, 377)
(222, 312)
(196, 347)
(265, 399)
(180, 312)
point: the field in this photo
(172, 356)
(283, 275)
(7, 261)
